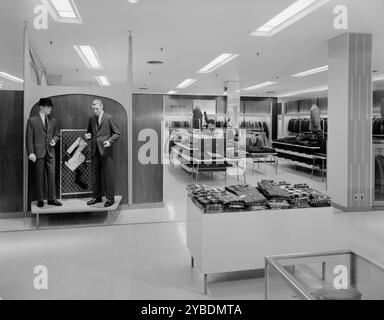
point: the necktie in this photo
(97, 120)
(46, 122)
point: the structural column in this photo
(350, 123)
(233, 102)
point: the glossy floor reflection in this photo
(142, 253)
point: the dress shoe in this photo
(40, 204)
(94, 201)
(109, 202)
(55, 203)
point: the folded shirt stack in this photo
(250, 196)
(272, 191)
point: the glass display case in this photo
(339, 275)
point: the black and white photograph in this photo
(191, 155)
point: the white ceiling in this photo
(191, 33)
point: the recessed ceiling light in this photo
(310, 72)
(218, 62)
(10, 77)
(133, 1)
(155, 62)
(63, 10)
(172, 92)
(290, 15)
(186, 83)
(261, 85)
(89, 56)
(103, 81)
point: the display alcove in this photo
(72, 112)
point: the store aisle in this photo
(140, 261)
(144, 261)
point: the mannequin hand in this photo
(106, 144)
(32, 157)
(52, 143)
(87, 136)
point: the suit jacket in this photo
(39, 138)
(107, 131)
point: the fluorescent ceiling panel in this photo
(172, 92)
(186, 83)
(89, 56)
(261, 85)
(310, 72)
(298, 10)
(218, 62)
(295, 93)
(10, 77)
(103, 81)
(63, 10)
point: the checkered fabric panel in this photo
(79, 181)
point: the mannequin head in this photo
(97, 107)
(45, 106)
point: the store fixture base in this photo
(73, 206)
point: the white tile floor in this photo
(143, 255)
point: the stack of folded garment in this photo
(316, 199)
(252, 198)
(299, 196)
(214, 200)
(277, 197)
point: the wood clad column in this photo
(147, 169)
(350, 124)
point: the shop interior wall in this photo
(11, 144)
(72, 111)
(147, 179)
(301, 108)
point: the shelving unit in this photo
(193, 165)
(306, 157)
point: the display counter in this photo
(312, 276)
(238, 241)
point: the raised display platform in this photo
(238, 241)
(77, 205)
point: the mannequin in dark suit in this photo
(103, 133)
(42, 137)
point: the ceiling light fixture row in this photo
(261, 85)
(311, 72)
(103, 81)
(63, 11)
(218, 62)
(290, 15)
(186, 83)
(10, 77)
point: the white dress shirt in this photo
(100, 117)
(42, 116)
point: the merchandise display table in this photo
(239, 241)
(323, 159)
(257, 156)
(73, 206)
(197, 166)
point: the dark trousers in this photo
(102, 168)
(45, 167)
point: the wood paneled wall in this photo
(72, 112)
(147, 180)
(11, 151)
